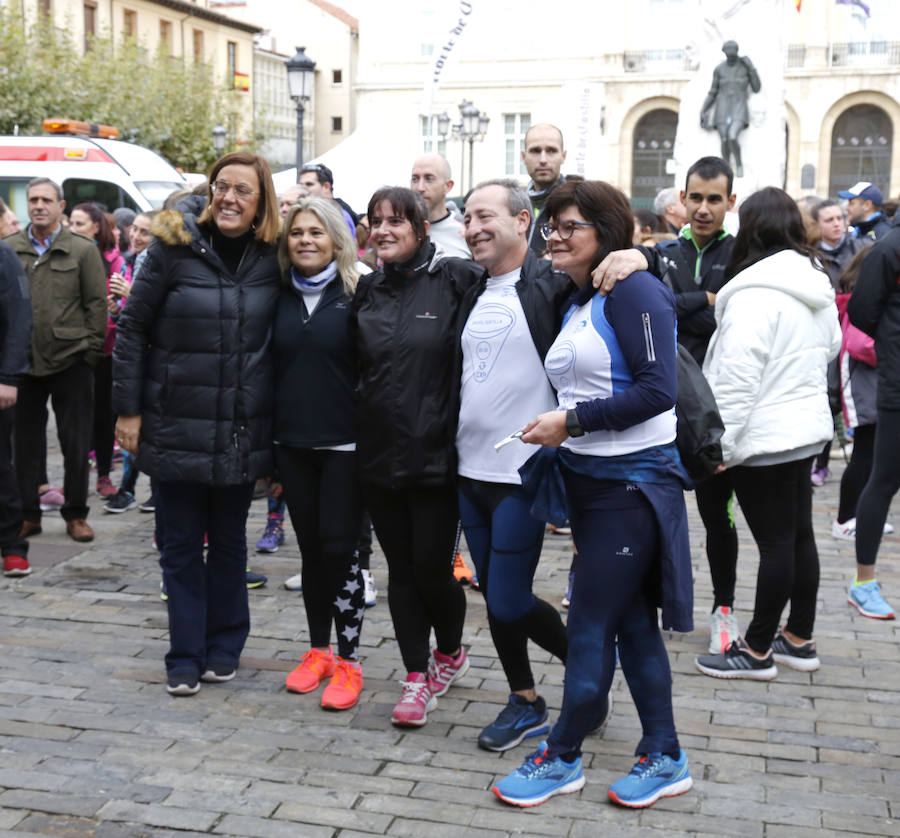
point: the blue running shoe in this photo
(538, 779)
(517, 721)
(867, 599)
(256, 580)
(272, 538)
(653, 776)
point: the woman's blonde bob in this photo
(336, 227)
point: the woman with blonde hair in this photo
(315, 448)
(193, 388)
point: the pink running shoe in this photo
(444, 670)
(52, 500)
(415, 703)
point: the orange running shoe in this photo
(461, 571)
(345, 686)
(314, 666)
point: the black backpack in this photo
(700, 426)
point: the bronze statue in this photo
(729, 94)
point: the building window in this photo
(515, 127)
(165, 36)
(129, 23)
(431, 140)
(337, 77)
(232, 62)
(198, 46)
(654, 140)
(861, 148)
(90, 24)
(337, 124)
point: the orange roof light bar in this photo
(79, 128)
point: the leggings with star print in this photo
(321, 488)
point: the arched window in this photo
(861, 148)
(654, 140)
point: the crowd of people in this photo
(495, 369)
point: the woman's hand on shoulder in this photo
(548, 429)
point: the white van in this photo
(111, 172)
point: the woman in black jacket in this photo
(406, 316)
(193, 390)
(316, 370)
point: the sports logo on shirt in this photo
(484, 336)
(560, 366)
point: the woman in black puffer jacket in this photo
(194, 392)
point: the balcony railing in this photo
(655, 60)
(864, 54)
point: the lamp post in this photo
(218, 138)
(301, 72)
(473, 125)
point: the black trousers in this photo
(10, 502)
(71, 392)
(104, 418)
(882, 485)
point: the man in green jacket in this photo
(67, 281)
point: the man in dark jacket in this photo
(15, 335)
(836, 246)
(864, 210)
(67, 282)
(543, 157)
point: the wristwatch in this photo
(573, 426)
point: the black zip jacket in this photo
(15, 317)
(874, 308)
(874, 228)
(316, 369)
(676, 264)
(193, 357)
(834, 261)
(406, 320)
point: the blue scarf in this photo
(316, 282)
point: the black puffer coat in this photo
(193, 357)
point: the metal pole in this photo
(462, 162)
(299, 137)
(471, 150)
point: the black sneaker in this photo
(737, 662)
(121, 501)
(518, 720)
(148, 505)
(256, 580)
(182, 685)
(218, 673)
(802, 658)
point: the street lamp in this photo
(218, 139)
(301, 72)
(473, 125)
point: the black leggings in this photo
(416, 528)
(857, 472)
(104, 418)
(777, 503)
(875, 500)
(322, 492)
(714, 502)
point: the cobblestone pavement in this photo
(90, 743)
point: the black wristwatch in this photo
(573, 426)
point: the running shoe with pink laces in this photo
(444, 670)
(314, 666)
(416, 701)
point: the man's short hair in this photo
(322, 172)
(709, 168)
(665, 198)
(815, 209)
(40, 181)
(516, 197)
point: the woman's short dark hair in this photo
(406, 203)
(603, 205)
(104, 238)
(770, 222)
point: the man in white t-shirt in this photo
(431, 179)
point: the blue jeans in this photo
(614, 599)
(209, 615)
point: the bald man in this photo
(431, 178)
(543, 157)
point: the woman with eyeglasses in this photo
(406, 315)
(612, 443)
(193, 387)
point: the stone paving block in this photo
(269, 828)
(263, 771)
(452, 777)
(155, 814)
(36, 688)
(408, 828)
(857, 824)
(513, 820)
(692, 822)
(39, 823)
(362, 819)
(747, 810)
(252, 805)
(9, 818)
(47, 801)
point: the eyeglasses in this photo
(564, 230)
(241, 191)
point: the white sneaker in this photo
(294, 583)
(723, 629)
(845, 531)
(369, 593)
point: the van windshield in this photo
(156, 191)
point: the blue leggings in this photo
(614, 598)
(505, 544)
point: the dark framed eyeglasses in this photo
(565, 230)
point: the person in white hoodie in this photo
(776, 330)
